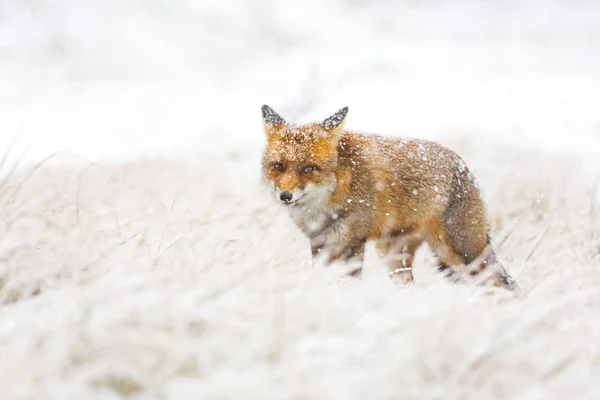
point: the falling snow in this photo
(113, 79)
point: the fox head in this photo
(300, 160)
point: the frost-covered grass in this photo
(171, 279)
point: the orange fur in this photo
(396, 192)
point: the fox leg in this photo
(352, 253)
(355, 256)
(398, 254)
(462, 242)
(482, 265)
(316, 247)
(447, 271)
(487, 269)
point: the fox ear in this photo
(271, 120)
(336, 121)
(270, 117)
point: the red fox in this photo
(343, 189)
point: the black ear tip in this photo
(335, 120)
(270, 116)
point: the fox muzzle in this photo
(285, 197)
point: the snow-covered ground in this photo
(149, 264)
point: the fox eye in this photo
(278, 167)
(308, 170)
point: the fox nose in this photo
(285, 196)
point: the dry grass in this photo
(157, 279)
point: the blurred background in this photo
(109, 79)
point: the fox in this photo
(343, 189)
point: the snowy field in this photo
(140, 258)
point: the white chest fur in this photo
(311, 220)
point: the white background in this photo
(117, 78)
